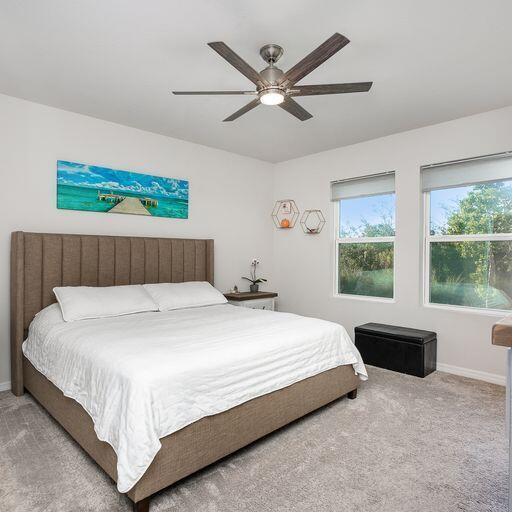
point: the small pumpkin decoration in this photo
(285, 223)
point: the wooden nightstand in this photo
(254, 300)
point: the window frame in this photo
(350, 240)
(428, 239)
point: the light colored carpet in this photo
(434, 444)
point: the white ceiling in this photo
(430, 61)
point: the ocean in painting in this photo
(100, 189)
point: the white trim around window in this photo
(365, 240)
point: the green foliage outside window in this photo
(366, 269)
(475, 273)
(486, 209)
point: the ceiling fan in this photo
(274, 87)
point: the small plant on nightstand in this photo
(255, 281)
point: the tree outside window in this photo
(469, 246)
(365, 246)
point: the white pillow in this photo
(184, 295)
(84, 302)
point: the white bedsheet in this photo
(142, 377)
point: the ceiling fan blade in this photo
(293, 108)
(326, 50)
(254, 103)
(316, 90)
(200, 93)
(237, 62)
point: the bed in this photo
(39, 262)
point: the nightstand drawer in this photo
(256, 304)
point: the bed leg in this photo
(142, 506)
(352, 394)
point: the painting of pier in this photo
(100, 189)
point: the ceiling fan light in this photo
(272, 97)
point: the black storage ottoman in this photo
(400, 349)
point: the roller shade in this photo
(376, 184)
(466, 172)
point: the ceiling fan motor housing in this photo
(272, 75)
(271, 53)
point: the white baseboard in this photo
(473, 374)
(5, 386)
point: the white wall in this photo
(230, 195)
(303, 265)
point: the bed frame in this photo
(40, 262)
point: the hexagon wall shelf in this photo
(312, 222)
(285, 214)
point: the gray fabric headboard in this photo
(41, 261)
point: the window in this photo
(468, 234)
(365, 236)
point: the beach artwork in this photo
(100, 189)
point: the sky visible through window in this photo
(444, 202)
(359, 212)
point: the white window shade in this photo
(373, 185)
(468, 172)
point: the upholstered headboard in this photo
(41, 261)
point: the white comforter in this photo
(142, 377)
